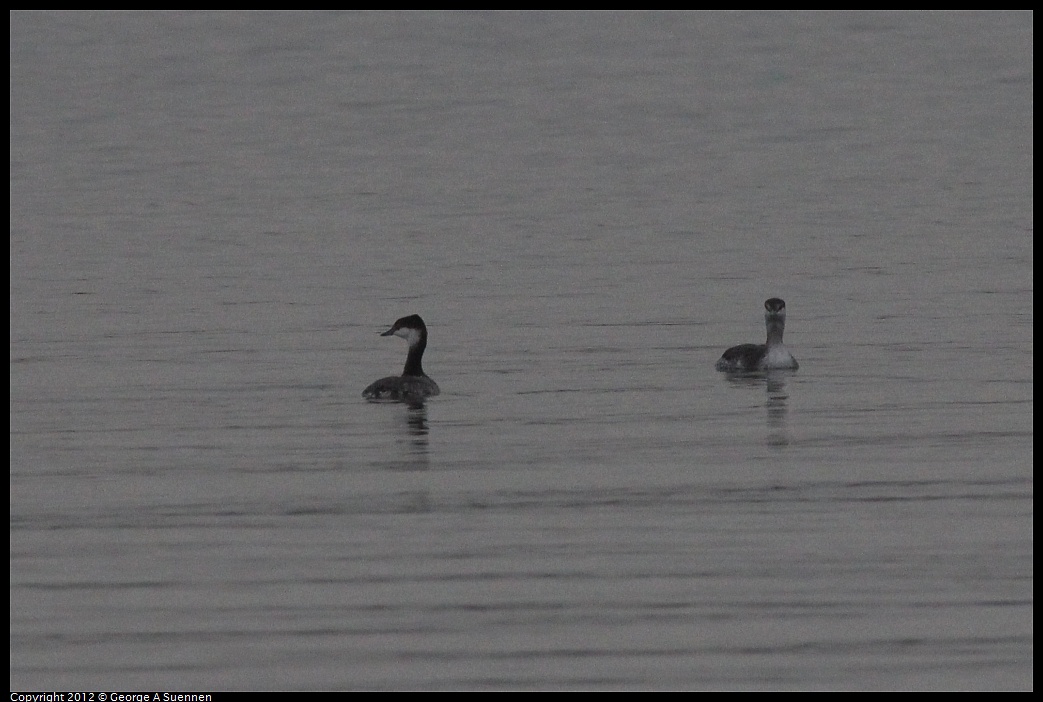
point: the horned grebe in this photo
(758, 357)
(413, 384)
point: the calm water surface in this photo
(214, 214)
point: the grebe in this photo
(413, 384)
(768, 356)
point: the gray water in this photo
(214, 215)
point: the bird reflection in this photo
(774, 383)
(409, 451)
(776, 406)
(413, 436)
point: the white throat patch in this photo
(410, 335)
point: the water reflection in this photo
(413, 438)
(407, 438)
(406, 451)
(774, 383)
